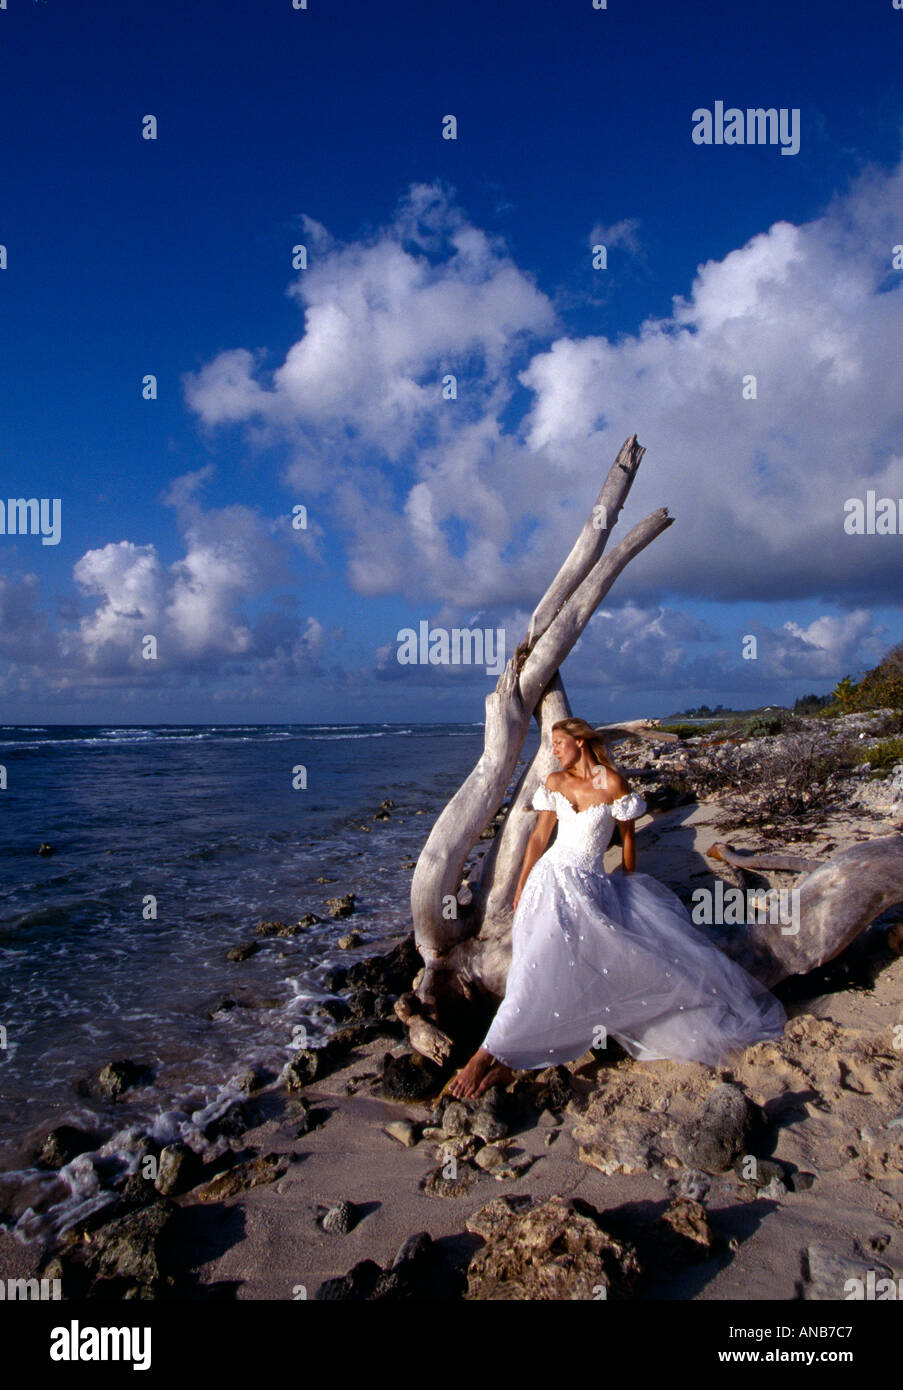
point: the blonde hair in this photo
(579, 728)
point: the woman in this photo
(598, 955)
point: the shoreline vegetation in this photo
(776, 1176)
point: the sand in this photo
(831, 1085)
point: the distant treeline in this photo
(879, 688)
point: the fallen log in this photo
(762, 859)
(836, 901)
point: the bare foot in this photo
(465, 1083)
(497, 1075)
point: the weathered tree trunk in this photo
(463, 949)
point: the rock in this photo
(494, 1113)
(132, 1246)
(252, 1079)
(490, 1220)
(391, 973)
(435, 1184)
(551, 1088)
(459, 1147)
(681, 1235)
(347, 943)
(357, 1284)
(488, 1127)
(693, 1184)
(773, 1191)
(827, 1271)
(366, 1003)
(340, 1219)
(456, 1119)
(729, 1125)
(266, 1168)
(239, 953)
(362, 1003)
(310, 919)
(351, 1036)
(60, 1145)
(177, 1169)
(45, 849)
(387, 805)
(514, 1169)
(341, 907)
(224, 1003)
(801, 1182)
(766, 1171)
(382, 815)
(336, 978)
(556, 1250)
(336, 1009)
(413, 1249)
(409, 1077)
(135, 1191)
(628, 1146)
(300, 1116)
(410, 1275)
(490, 1156)
(113, 1080)
(404, 1131)
(304, 1067)
(270, 928)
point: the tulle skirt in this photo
(598, 956)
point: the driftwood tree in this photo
(467, 949)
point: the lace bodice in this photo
(584, 836)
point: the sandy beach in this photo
(829, 1089)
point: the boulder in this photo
(557, 1250)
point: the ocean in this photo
(214, 829)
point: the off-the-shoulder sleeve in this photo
(628, 807)
(543, 800)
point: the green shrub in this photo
(762, 725)
(882, 687)
(884, 754)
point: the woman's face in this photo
(566, 749)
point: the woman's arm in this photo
(628, 846)
(619, 787)
(536, 846)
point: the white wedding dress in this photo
(617, 952)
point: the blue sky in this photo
(321, 387)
